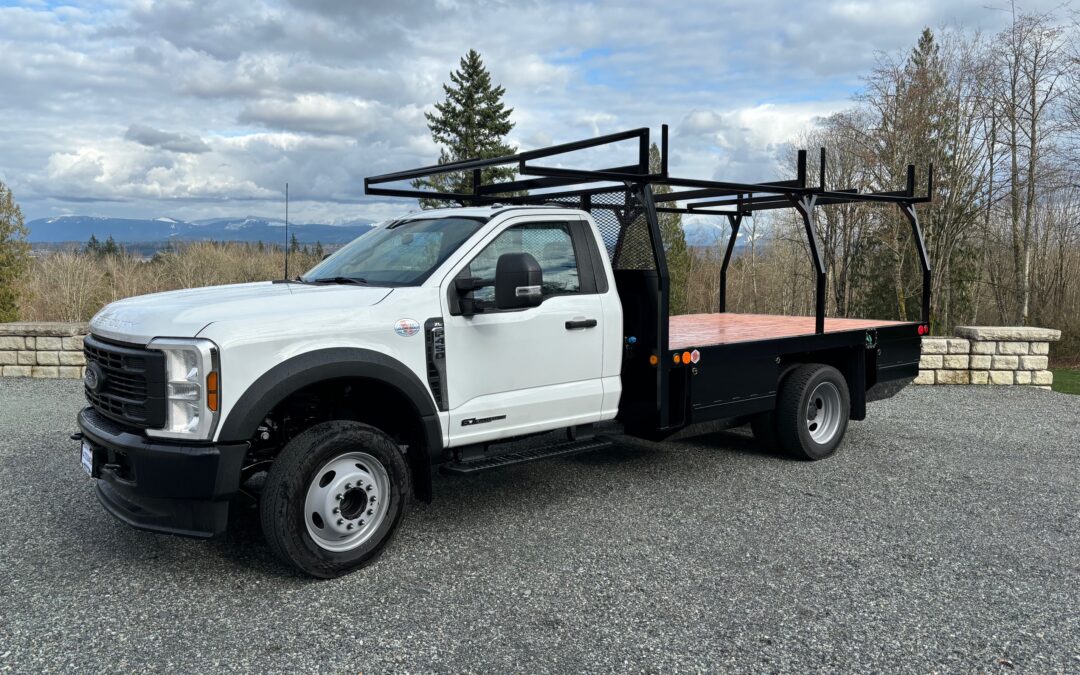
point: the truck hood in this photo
(186, 312)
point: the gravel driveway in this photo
(945, 536)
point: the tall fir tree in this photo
(471, 122)
(14, 253)
(675, 249)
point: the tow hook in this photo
(77, 436)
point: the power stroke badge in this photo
(407, 327)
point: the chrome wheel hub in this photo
(823, 413)
(347, 500)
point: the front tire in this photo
(334, 498)
(812, 411)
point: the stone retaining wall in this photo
(989, 355)
(42, 349)
(977, 355)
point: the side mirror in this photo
(518, 281)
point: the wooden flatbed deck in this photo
(703, 330)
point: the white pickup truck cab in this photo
(353, 355)
(452, 337)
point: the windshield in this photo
(398, 253)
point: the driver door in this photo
(518, 371)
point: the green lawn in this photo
(1067, 380)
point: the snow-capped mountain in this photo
(131, 230)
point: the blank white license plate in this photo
(88, 458)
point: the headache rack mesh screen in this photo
(620, 217)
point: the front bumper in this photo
(160, 486)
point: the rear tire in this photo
(334, 498)
(812, 411)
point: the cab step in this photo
(480, 464)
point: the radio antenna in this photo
(286, 231)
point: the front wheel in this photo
(334, 497)
(812, 411)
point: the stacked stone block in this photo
(989, 355)
(46, 350)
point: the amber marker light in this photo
(653, 360)
(212, 397)
(685, 358)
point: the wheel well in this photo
(852, 364)
(358, 399)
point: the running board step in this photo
(509, 458)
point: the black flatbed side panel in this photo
(741, 378)
(896, 362)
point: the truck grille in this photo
(131, 383)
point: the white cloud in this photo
(166, 140)
(200, 108)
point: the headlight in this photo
(192, 388)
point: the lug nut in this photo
(348, 486)
(350, 526)
(361, 524)
(340, 521)
(368, 488)
(370, 511)
(338, 497)
(372, 499)
(337, 510)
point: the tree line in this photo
(998, 118)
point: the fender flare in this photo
(301, 371)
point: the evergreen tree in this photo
(294, 245)
(94, 247)
(319, 252)
(14, 253)
(111, 247)
(675, 249)
(471, 122)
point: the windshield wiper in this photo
(341, 280)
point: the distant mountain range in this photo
(130, 231)
(709, 235)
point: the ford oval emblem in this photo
(93, 377)
(407, 327)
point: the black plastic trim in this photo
(435, 354)
(160, 486)
(127, 388)
(320, 366)
(590, 265)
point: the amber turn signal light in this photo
(212, 397)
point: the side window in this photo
(549, 243)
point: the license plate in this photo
(88, 458)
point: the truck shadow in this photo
(466, 503)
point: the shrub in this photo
(72, 285)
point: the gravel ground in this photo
(944, 537)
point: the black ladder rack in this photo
(591, 190)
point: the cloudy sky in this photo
(204, 108)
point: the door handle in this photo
(583, 323)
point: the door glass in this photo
(549, 243)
